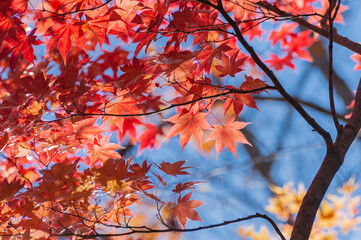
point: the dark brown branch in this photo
(352, 127)
(55, 14)
(151, 230)
(343, 41)
(318, 53)
(325, 135)
(330, 165)
(200, 98)
(330, 65)
(304, 103)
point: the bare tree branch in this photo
(145, 229)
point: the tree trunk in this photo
(311, 202)
(330, 165)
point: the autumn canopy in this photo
(88, 85)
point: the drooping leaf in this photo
(23, 45)
(148, 138)
(184, 209)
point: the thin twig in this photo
(330, 64)
(230, 91)
(151, 230)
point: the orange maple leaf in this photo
(124, 105)
(103, 151)
(86, 129)
(185, 209)
(186, 125)
(252, 84)
(228, 134)
(357, 58)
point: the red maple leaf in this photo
(9, 189)
(19, 5)
(252, 84)
(180, 187)
(86, 129)
(282, 34)
(98, 25)
(236, 103)
(148, 138)
(299, 44)
(139, 171)
(184, 209)
(173, 168)
(208, 53)
(22, 45)
(230, 66)
(64, 35)
(278, 63)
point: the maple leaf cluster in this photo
(76, 87)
